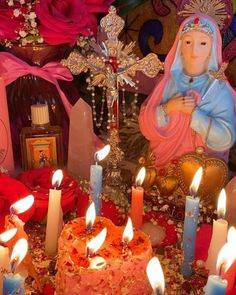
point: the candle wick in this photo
(12, 211)
(96, 157)
(221, 270)
(56, 184)
(220, 215)
(125, 243)
(89, 253)
(191, 193)
(13, 264)
(89, 227)
(138, 183)
(157, 291)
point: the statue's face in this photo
(196, 50)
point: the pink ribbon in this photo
(12, 68)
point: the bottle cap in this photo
(39, 114)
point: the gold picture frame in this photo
(41, 152)
(41, 149)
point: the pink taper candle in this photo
(6, 154)
(137, 200)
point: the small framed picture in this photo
(41, 147)
(41, 152)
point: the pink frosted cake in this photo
(122, 273)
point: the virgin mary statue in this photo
(193, 105)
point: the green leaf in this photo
(125, 6)
(234, 5)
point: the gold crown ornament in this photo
(220, 10)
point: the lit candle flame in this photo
(97, 262)
(101, 154)
(221, 206)
(225, 258)
(128, 233)
(22, 205)
(57, 178)
(95, 243)
(18, 253)
(196, 182)
(231, 237)
(90, 216)
(140, 176)
(7, 235)
(156, 276)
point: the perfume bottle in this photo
(41, 144)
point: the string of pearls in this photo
(134, 108)
(98, 120)
(123, 106)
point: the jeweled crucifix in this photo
(112, 64)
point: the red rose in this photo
(62, 21)
(95, 6)
(39, 181)
(8, 26)
(57, 21)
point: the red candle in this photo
(137, 200)
(230, 277)
(230, 274)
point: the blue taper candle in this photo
(189, 235)
(215, 285)
(96, 178)
(96, 186)
(190, 226)
(13, 284)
